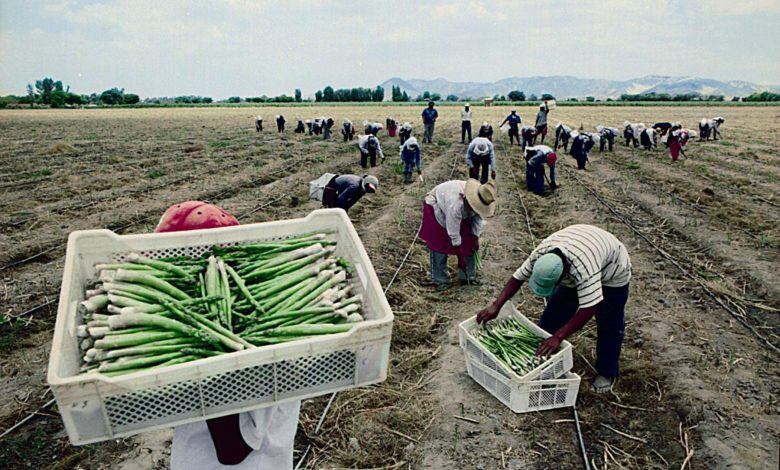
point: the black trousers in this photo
(481, 165)
(465, 127)
(364, 158)
(280, 126)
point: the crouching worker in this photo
(344, 191)
(486, 131)
(583, 271)
(452, 221)
(580, 148)
(480, 156)
(535, 159)
(300, 128)
(259, 439)
(347, 130)
(410, 158)
(392, 126)
(369, 147)
(608, 136)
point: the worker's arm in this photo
(551, 344)
(510, 289)
(504, 121)
(229, 443)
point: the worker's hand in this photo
(487, 314)
(493, 174)
(549, 346)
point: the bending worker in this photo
(410, 158)
(344, 191)
(583, 271)
(405, 132)
(452, 221)
(369, 147)
(486, 130)
(514, 131)
(479, 156)
(260, 439)
(535, 158)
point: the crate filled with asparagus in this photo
(148, 313)
(512, 343)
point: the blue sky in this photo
(248, 48)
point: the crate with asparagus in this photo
(220, 320)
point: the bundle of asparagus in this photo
(512, 343)
(148, 313)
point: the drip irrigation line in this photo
(519, 194)
(316, 430)
(583, 451)
(739, 317)
(21, 422)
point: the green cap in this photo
(545, 275)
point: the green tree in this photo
(112, 96)
(405, 96)
(57, 99)
(318, 96)
(516, 95)
(435, 97)
(234, 99)
(130, 98)
(452, 98)
(30, 94)
(298, 95)
(44, 88)
(378, 94)
(327, 94)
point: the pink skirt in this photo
(437, 239)
(674, 149)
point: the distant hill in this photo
(566, 86)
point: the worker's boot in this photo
(407, 177)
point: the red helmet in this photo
(551, 159)
(194, 215)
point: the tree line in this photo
(359, 94)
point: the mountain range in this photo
(566, 86)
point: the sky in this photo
(222, 48)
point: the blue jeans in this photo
(534, 178)
(610, 322)
(439, 269)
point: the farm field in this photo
(699, 381)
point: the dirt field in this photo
(699, 381)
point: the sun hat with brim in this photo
(481, 197)
(545, 274)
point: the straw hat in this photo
(481, 197)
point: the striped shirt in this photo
(596, 258)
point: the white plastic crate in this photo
(555, 366)
(521, 396)
(95, 408)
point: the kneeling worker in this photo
(583, 271)
(452, 221)
(344, 191)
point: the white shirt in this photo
(447, 200)
(269, 431)
(465, 115)
(596, 258)
(363, 144)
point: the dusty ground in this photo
(698, 387)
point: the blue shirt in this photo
(429, 115)
(349, 189)
(513, 120)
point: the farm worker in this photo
(541, 120)
(465, 123)
(562, 136)
(429, 116)
(259, 123)
(607, 135)
(260, 439)
(479, 156)
(317, 125)
(528, 134)
(369, 147)
(308, 125)
(486, 131)
(327, 125)
(344, 191)
(410, 157)
(513, 120)
(632, 131)
(372, 128)
(648, 138)
(347, 130)
(583, 271)
(580, 148)
(676, 142)
(392, 126)
(280, 123)
(535, 159)
(452, 221)
(662, 127)
(709, 127)
(405, 132)
(300, 129)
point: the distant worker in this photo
(429, 117)
(300, 128)
(479, 157)
(528, 136)
(405, 132)
(316, 126)
(259, 124)
(344, 191)
(676, 142)
(369, 148)
(541, 121)
(452, 222)
(280, 123)
(580, 148)
(632, 131)
(465, 123)
(662, 127)
(410, 158)
(308, 125)
(710, 127)
(392, 126)
(607, 137)
(347, 130)
(486, 131)
(372, 128)
(648, 138)
(514, 131)
(535, 159)
(583, 271)
(562, 136)
(327, 125)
